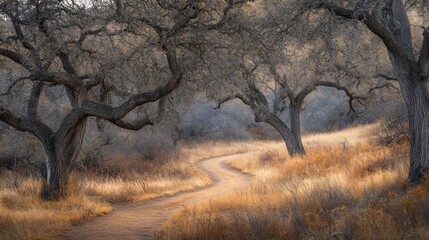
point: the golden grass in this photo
(24, 216)
(346, 137)
(345, 187)
(336, 191)
(121, 179)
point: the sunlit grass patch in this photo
(23, 215)
(121, 178)
(350, 189)
(343, 190)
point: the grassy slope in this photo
(344, 188)
(24, 216)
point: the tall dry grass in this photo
(344, 188)
(23, 215)
(119, 178)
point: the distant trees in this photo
(107, 58)
(284, 98)
(388, 20)
(267, 65)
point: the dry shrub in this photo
(339, 190)
(247, 223)
(394, 131)
(23, 215)
(115, 178)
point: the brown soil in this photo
(139, 221)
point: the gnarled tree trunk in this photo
(61, 157)
(393, 27)
(418, 109)
(415, 93)
(55, 186)
(413, 78)
(295, 126)
(293, 145)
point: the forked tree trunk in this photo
(62, 155)
(55, 187)
(292, 144)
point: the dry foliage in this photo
(121, 179)
(23, 215)
(344, 188)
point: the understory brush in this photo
(119, 177)
(343, 188)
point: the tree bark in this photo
(412, 75)
(295, 126)
(55, 187)
(61, 154)
(415, 94)
(413, 78)
(418, 108)
(292, 144)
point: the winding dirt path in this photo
(139, 221)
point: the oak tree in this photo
(389, 20)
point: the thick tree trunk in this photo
(413, 77)
(417, 102)
(295, 126)
(419, 135)
(62, 155)
(292, 143)
(415, 93)
(55, 187)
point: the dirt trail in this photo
(139, 221)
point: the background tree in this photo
(277, 64)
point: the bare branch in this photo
(13, 84)
(33, 102)
(424, 56)
(62, 78)
(374, 26)
(235, 96)
(67, 64)
(381, 86)
(310, 88)
(20, 34)
(37, 128)
(93, 81)
(16, 57)
(284, 86)
(225, 17)
(381, 75)
(116, 114)
(118, 5)
(256, 95)
(137, 125)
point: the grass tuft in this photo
(340, 189)
(119, 178)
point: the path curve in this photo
(139, 221)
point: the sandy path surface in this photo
(139, 221)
